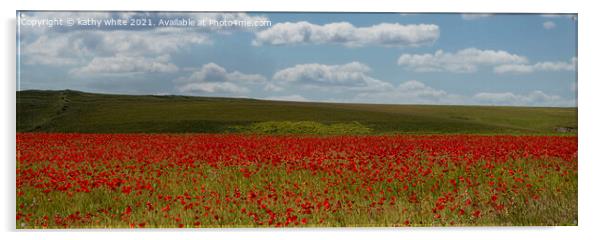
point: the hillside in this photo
(73, 111)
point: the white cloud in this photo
(409, 92)
(160, 41)
(514, 68)
(416, 92)
(271, 87)
(292, 98)
(62, 46)
(347, 77)
(54, 51)
(474, 16)
(78, 48)
(126, 65)
(351, 82)
(534, 98)
(212, 72)
(344, 33)
(212, 87)
(469, 60)
(537, 67)
(549, 25)
(462, 61)
(212, 78)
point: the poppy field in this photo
(73, 180)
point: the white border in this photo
(589, 116)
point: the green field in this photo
(74, 111)
(472, 170)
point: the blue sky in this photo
(476, 59)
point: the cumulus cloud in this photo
(212, 78)
(549, 25)
(537, 67)
(463, 61)
(159, 41)
(126, 65)
(212, 87)
(351, 76)
(63, 46)
(212, 72)
(344, 33)
(77, 47)
(272, 87)
(475, 16)
(55, 51)
(534, 98)
(82, 48)
(469, 60)
(354, 80)
(291, 98)
(417, 92)
(409, 92)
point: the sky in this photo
(393, 58)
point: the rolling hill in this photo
(74, 111)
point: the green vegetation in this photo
(108, 206)
(73, 111)
(304, 127)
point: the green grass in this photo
(73, 111)
(303, 127)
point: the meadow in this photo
(227, 180)
(73, 111)
(117, 161)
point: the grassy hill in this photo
(73, 111)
